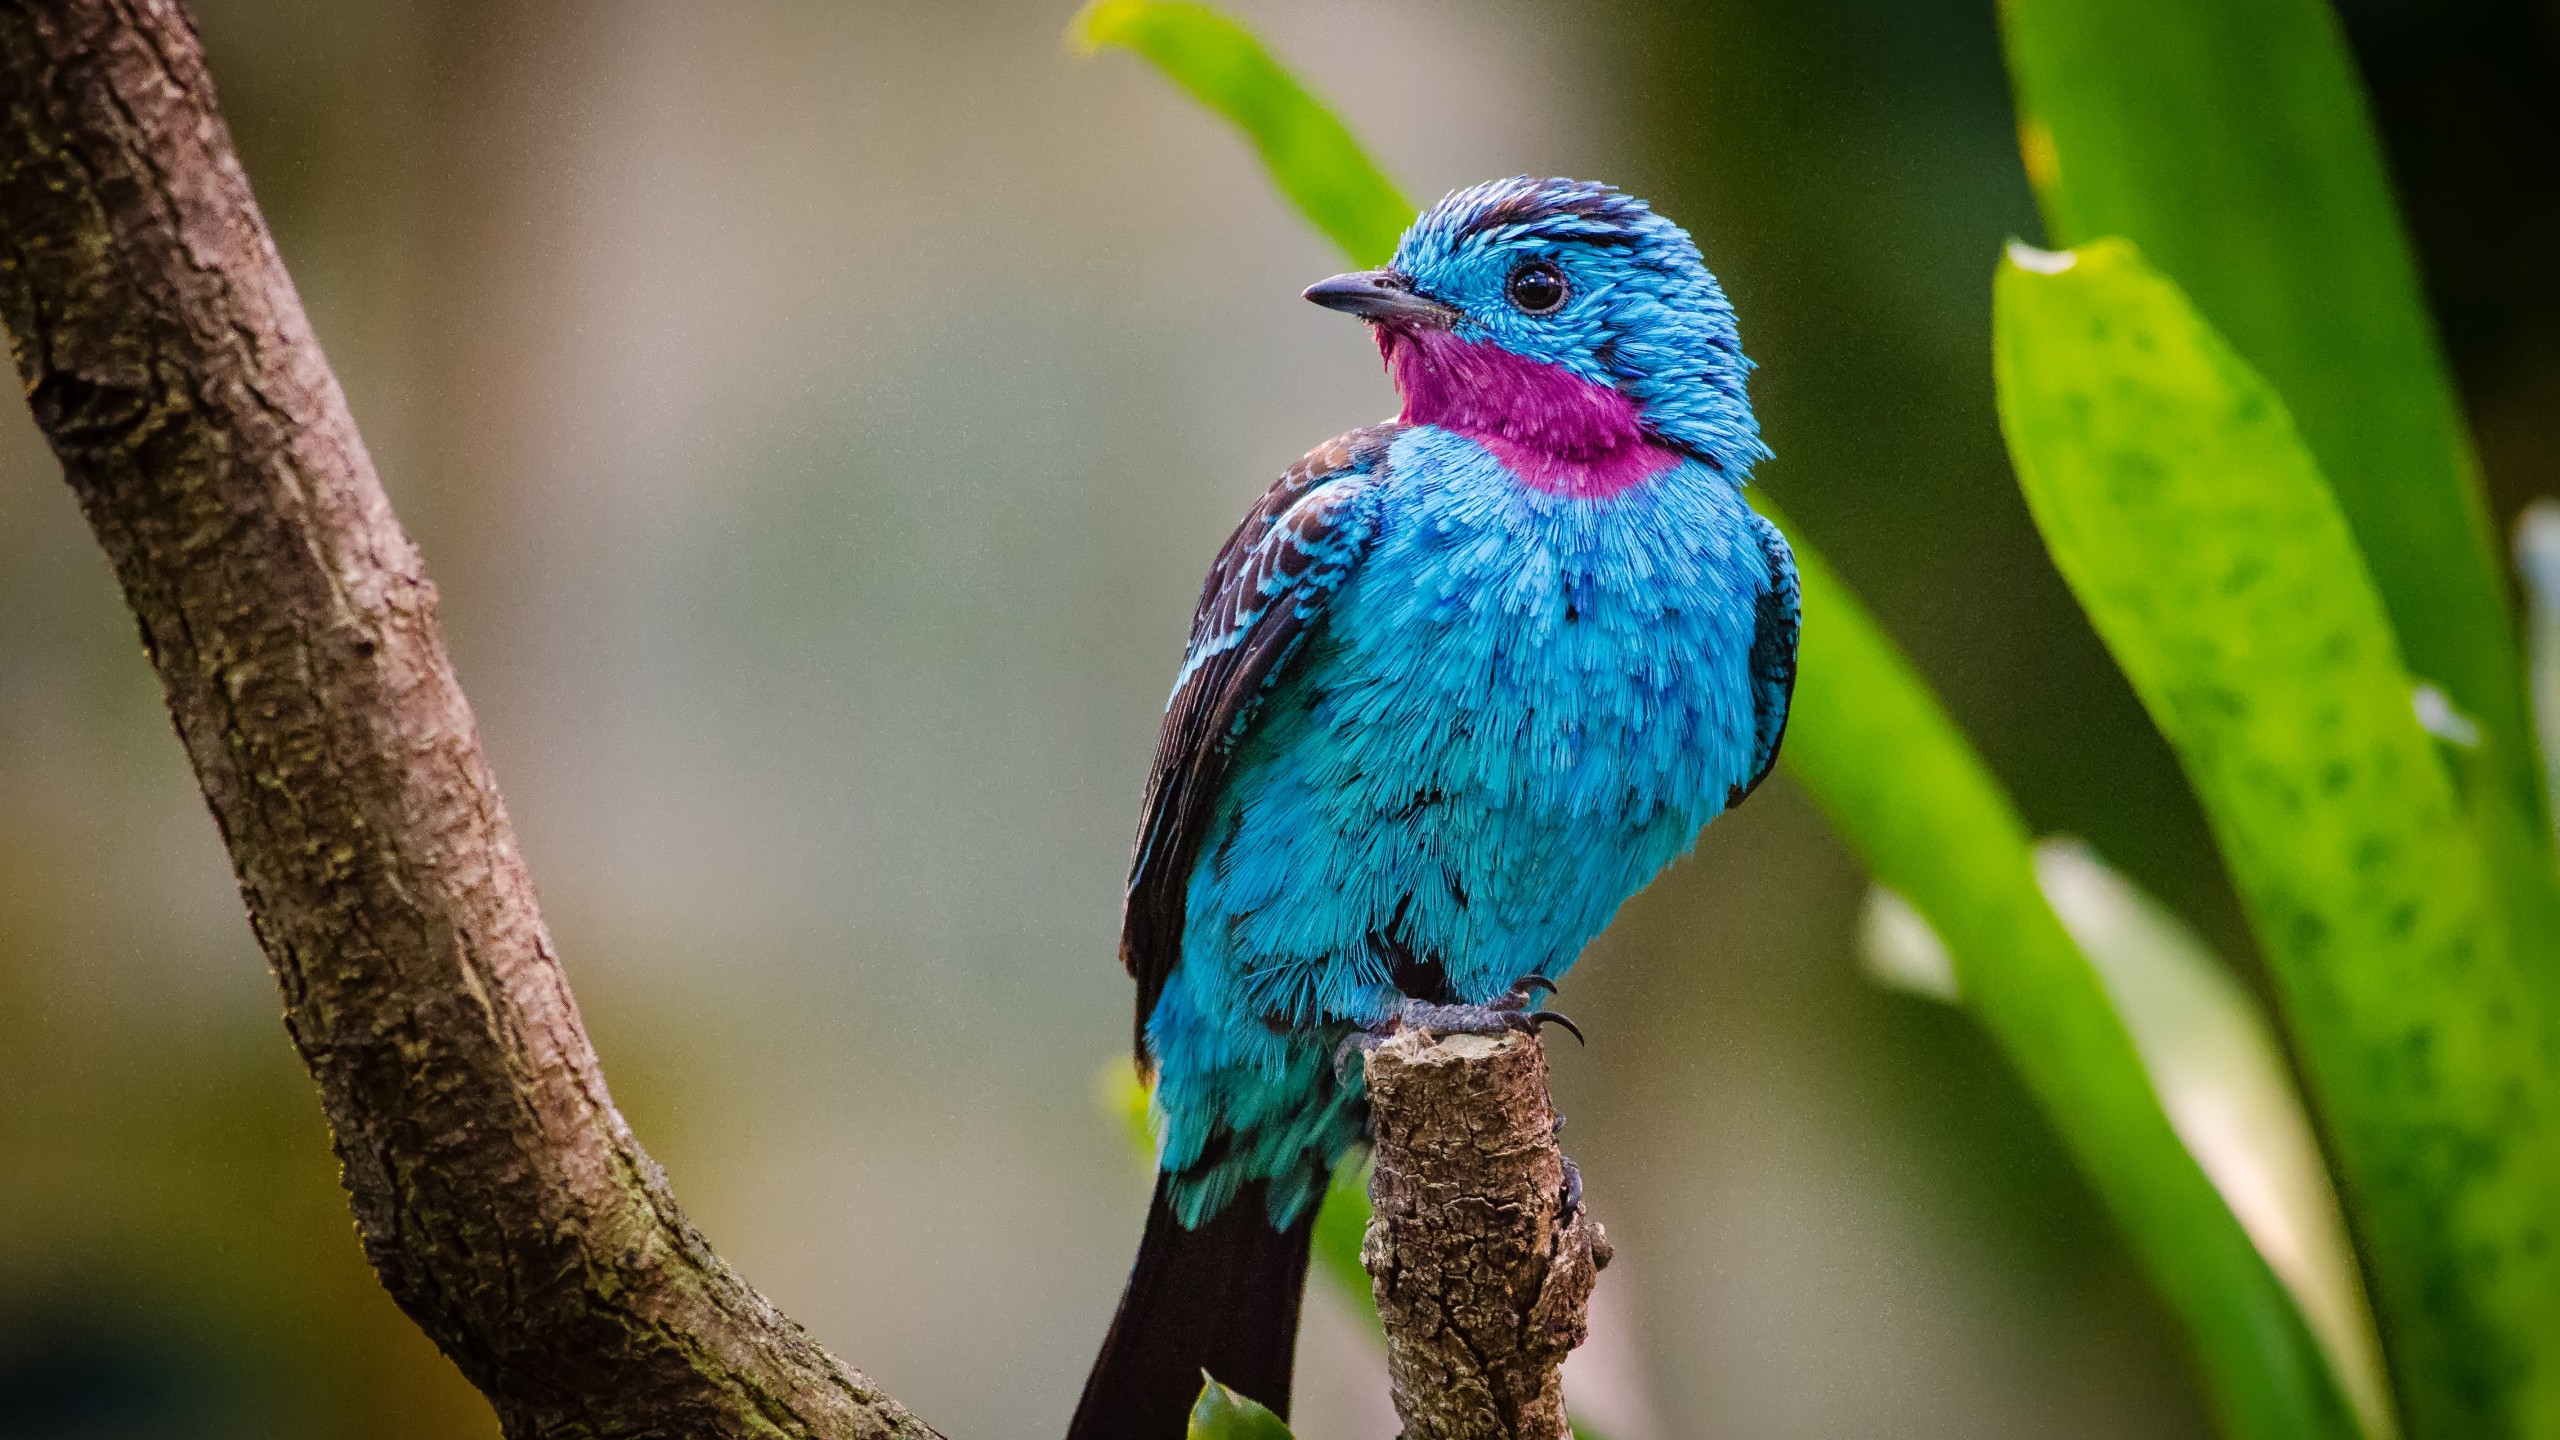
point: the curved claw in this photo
(1550, 1017)
(1534, 987)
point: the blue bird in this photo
(1458, 685)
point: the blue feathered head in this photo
(1580, 277)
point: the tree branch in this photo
(497, 1191)
(1481, 1265)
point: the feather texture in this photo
(1517, 707)
(1268, 584)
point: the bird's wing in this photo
(1266, 591)
(1773, 658)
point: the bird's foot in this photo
(1494, 1019)
(1530, 989)
(1512, 1013)
(1523, 1000)
(1508, 1014)
(1351, 1057)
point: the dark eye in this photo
(1537, 288)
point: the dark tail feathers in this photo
(1222, 1298)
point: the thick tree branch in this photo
(499, 1194)
(1482, 1263)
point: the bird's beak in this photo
(1383, 297)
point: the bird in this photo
(1458, 685)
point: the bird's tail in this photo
(1221, 1298)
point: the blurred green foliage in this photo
(1310, 155)
(1341, 1223)
(1907, 791)
(2222, 1074)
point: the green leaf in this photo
(2229, 139)
(1310, 155)
(1341, 1224)
(1222, 1414)
(1871, 743)
(1121, 1093)
(1910, 795)
(2196, 530)
(2222, 1077)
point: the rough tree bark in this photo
(1481, 1260)
(498, 1193)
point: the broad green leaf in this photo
(1871, 743)
(1312, 158)
(1222, 1414)
(2223, 1078)
(2229, 139)
(2219, 1073)
(2195, 528)
(1911, 796)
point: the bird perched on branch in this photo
(1458, 685)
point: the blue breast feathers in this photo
(1502, 716)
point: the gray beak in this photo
(1382, 297)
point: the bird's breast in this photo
(1570, 654)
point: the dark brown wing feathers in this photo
(1251, 617)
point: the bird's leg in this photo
(1511, 1011)
(1351, 1057)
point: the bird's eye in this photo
(1537, 288)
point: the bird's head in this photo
(1565, 324)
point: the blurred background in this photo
(818, 417)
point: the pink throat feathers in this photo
(1555, 430)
